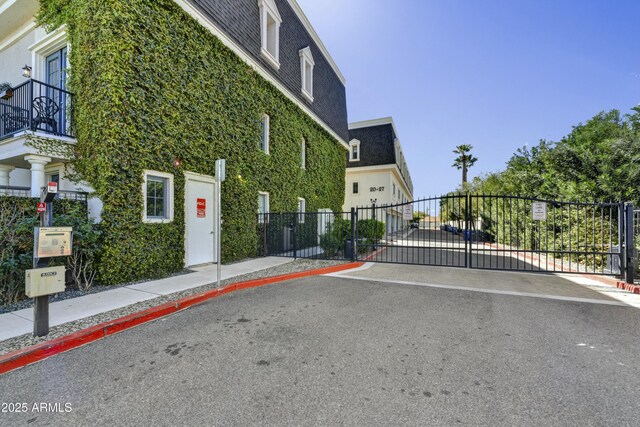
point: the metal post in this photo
(467, 232)
(295, 241)
(354, 219)
(219, 231)
(629, 245)
(621, 251)
(41, 303)
(373, 216)
(30, 104)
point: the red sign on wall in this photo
(201, 205)
(42, 207)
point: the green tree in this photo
(464, 160)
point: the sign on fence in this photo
(539, 210)
(407, 212)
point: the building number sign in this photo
(374, 189)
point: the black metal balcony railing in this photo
(36, 106)
(10, 190)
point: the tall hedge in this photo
(151, 86)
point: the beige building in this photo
(377, 171)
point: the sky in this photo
(495, 74)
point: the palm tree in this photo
(464, 160)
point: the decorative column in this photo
(37, 172)
(5, 170)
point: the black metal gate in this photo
(465, 230)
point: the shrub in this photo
(333, 241)
(17, 220)
(370, 229)
(86, 246)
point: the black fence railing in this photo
(319, 235)
(36, 106)
(8, 190)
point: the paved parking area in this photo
(543, 284)
(353, 351)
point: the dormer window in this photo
(270, 21)
(306, 72)
(354, 150)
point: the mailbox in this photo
(53, 241)
(44, 281)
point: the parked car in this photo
(415, 225)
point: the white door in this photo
(199, 219)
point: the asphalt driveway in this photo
(347, 351)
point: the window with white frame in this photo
(263, 207)
(157, 191)
(355, 187)
(301, 209)
(270, 21)
(394, 189)
(303, 148)
(354, 150)
(264, 134)
(306, 72)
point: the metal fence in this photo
(317, 235)
(465, 230)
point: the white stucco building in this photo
(377, 170)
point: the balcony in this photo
(9, 190)
(38, 107)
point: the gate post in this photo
(354, 237)
(629, 245)
(295, 241)
(373, 216)
(621, 235)
(467, 232)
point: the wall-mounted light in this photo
(6, 93)
(26, 72)
(177, 162)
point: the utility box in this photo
(44, 281)
(613, 261)
(51, 242)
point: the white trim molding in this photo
(270, 21)
(259, 68)
(19, 34)
(169, 195)
(306, 73)
(47, 45)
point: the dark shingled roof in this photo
(240, 20)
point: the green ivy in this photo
(152, 85)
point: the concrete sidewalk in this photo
(21, 322)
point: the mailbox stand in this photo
(41, 303)
(48, 242)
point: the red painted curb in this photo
(628, 287)
(29, 355)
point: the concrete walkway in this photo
(21, 322)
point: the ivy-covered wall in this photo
(151, 85)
